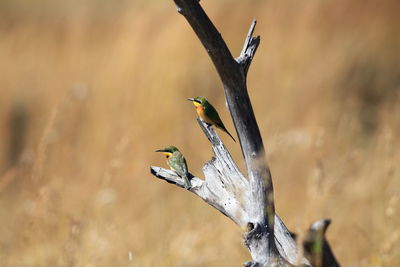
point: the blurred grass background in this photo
(89, 89)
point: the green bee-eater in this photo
(177, 162)
(208, 113)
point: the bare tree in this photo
(248, 202)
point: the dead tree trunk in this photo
(248, 202)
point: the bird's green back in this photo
(177, 162)
(211, 112)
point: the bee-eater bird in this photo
(177, 162)
(208, 113)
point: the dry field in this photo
(89, 89)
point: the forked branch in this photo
(233, 72)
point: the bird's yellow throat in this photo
(196, 104)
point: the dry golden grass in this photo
(90, 89)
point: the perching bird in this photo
(177, 162)
(316, 248)
(208, 113)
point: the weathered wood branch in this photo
(224, 186)
(249, 49)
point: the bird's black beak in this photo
(161, 150)
(191, 99)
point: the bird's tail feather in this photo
(186, 180)
(230, 135)
(222, 127)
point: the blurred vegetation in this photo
(89, 89)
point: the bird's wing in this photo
(214, 116)
(184, 166)
(212, 113)
(178, 163)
